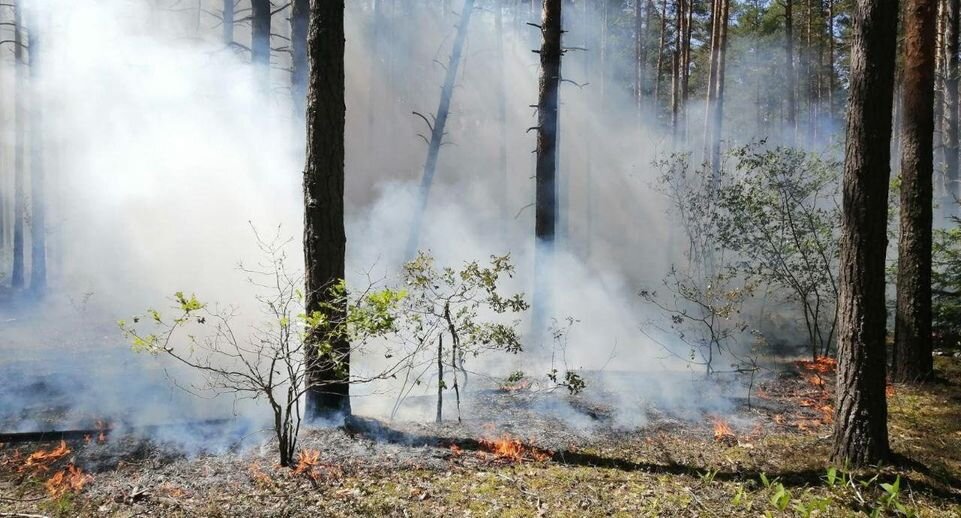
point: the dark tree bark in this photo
(19, 194)
(789, 71)
(38, 220)
(324, 238)
(860, 428)
(299, 18)
(952, 9)
(912, 332)
(438, 128)
(228, 17)
(545, 202)
(659, 67)
(260, 42)
(830, 66)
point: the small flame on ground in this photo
(40, 460)
(722, 431)
(514, 450)
(889, 390)
(71, 479)
(456, 450)
(820, 365)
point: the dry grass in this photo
(670, 470)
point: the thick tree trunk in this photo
(19, 200)
(545, 202)
(260, 42)
(860, 428)
(38, 220)
(789, 71)
(912, 332)
(952, 9)
(714, 111)
(328, 373)
(676, 59)
(299, 19)
(438, 129)
(228, 17)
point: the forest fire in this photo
(70, 479)
(41, 460)
(513, 450)
(723, 433)
(820, 365)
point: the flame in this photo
(722, 430)
(102, 426)
(514, 450)
(456, 450)
(71, 479)
(307, 460)
(889, 390)
(40, 460)
(820, 365)
(258, 475)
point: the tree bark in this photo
(19, 200)
(228, 17)
(662, 42)
(640, 56)
(952, 9)
(325, 242)
(789, 71)
(438, 128)
(545, 203)
(299, 19)
(38, 225)
(260, 42)
(502, 116)
(912, 332)
(860, 428)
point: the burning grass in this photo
(513, 450)
(668, 468)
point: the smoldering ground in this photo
(163, 153)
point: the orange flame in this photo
(455, 450)
(40, 460)
(514, 450)
(307, 460)
(722, 430)
(71, 479)
(889, 390)
(821, 365)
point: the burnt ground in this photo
(543, 466)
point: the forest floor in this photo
(770, 457)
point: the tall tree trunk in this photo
(595, 42)
(299, 19)
(545, 203)
(38, 225)
(718, 112)
(260, 42)
(912, 332)
(659, 68)
(789, 71)
(952, 9)
(860, 428)
(502, 116)
(228, 17)
(19, 200)
(686, 66)
(640, 58)
(676, 63)
(438, 128)
(830, 70)
(328, 373)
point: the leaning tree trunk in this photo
(545, 198)
(328, 372)
(38, 236)
(19, 200)
(952, 9)
(860, 428)
(260, 42)
(437, 129)
(299, 18)
(789, 72)
(912, 332)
